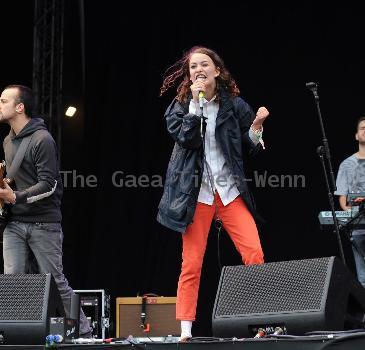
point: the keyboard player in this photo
(351, 180)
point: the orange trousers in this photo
(241, 227)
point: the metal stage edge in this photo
(352, 341)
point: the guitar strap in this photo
(13, 168)
(19, 156)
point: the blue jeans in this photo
(44, 240)
(358, 248)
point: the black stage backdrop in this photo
(115, 152)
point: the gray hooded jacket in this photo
(37, 183)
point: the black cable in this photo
(218, 225)
(350, 331)
(208, 339)
(143, 312)
(137, 345)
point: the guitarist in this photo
(34, 224)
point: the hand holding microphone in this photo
(198, 91)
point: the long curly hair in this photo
(179, 73)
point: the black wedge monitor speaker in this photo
(27, 301)
(297, 296)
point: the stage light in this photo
(70, 112)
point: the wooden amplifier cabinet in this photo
(160, 316)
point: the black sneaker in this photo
(86, 335)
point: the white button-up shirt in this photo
(220, 177)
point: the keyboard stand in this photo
(348, 228)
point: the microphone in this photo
(311, 85)
(201, 94)
(201, 99)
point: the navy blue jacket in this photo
(185, 169)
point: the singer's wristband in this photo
(258, 134)
(257, 131)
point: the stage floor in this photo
(348, 341)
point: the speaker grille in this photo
(22, 296)
(288, 286)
